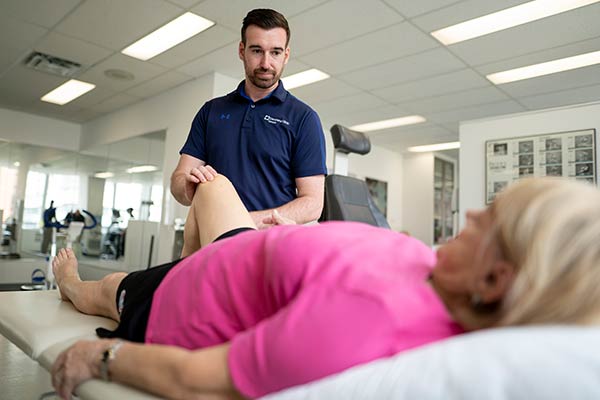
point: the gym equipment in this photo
(73, 231)
(113, 244)
(347, 198)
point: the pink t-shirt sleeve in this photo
(320, 333)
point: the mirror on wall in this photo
(114, 191)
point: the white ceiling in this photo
(382, 60)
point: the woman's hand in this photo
(77, 364)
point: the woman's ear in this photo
(494, 285)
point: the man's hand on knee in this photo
(201, 174)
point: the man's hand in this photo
(203, 173)
(77, 364)
(274, 218)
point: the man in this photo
(266, 141)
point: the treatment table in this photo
(543, 362)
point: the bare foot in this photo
(64, 267)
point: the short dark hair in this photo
(267, 19)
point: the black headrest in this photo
(349, 141)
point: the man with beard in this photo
(267, 142)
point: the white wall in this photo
(417, 196)
(20, 127)
(474, 134)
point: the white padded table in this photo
(42, 325)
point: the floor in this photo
(21, 377)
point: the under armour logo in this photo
(225, 116)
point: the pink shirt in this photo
(299, 303)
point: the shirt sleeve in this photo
(195, 145)
(323, 331)
(309, 148)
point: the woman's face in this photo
(464, 259)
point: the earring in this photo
(476, 300)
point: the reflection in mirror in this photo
(112, 184)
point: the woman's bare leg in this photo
(89, 297)
(216, 209)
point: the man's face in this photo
(264, 55)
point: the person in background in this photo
(266, 141)
(259, 311)
(50, 222)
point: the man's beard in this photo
(264, 82)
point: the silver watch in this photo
(107, 356)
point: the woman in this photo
(271, 309)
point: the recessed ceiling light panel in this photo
(434, 147)
(167, 36)
(388, 123)
(508, 18)
(67, 92)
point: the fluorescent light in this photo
(435, 147)
(141, 168)
(167, 36)
(550, 67)
(505, 19)
(104, 175)
(17, 164)
(67, 92)
(303, 78)
(388, 123)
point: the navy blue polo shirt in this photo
(261, 147)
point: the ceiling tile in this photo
(324, 91)
(197, 46)
(555, 82)
(110, 23)
(76, 50)
(461, 11)
(230, 13)
(313, 29)
(413, 8)
(456, 100)
(223, 60)
(376, 47)
(469, 113)
(116, 102)
(559, 30)
(429, 63)
(10, 58)
(17, 34)
(541, 56)
(435, 86)
(44, 13)
(186, 3)
(159, 84)
(349, 118)
(562, 98)
(141, 70)
(416, 136)
(349, 104)
(26, 85)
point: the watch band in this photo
(107, 356)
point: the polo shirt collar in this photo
(279, 93)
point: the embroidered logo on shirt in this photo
(225, 116)
(272, 120)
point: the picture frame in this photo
(378, 190)
(569, 154)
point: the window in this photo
(156, 195)
(34, 200)
(8, 180)
(64, 190)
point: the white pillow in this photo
(550, 362)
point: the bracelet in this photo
(107, 356)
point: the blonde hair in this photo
(549, 229)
